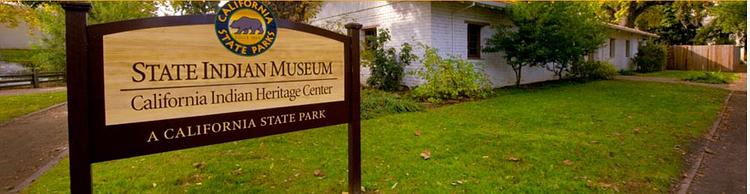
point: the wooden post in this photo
(34, 78)
(78, 129)
(355, 152)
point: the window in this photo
(627, 48)
(611, 48)
(369, 34)
(474, 43)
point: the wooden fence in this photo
(705, 57)
(32, 79)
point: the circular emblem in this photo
(246, 28)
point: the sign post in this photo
(77, 83)
(160, 84)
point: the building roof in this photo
(631, 30)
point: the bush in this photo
(651, 57)
(451, 78)
(386, 66)
(594, 70)
(626, 72)
(712, 78)
(378, 103)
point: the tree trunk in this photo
(518, 75)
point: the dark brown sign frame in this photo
(92, 141)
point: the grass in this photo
(16, 55)
(19, 105)
(377, 103)
(596, 137)
(696, 76)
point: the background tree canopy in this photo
(49, 18)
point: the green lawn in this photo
(19, 105)
(596, 137)
(16, 55)
(686, 75)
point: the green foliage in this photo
(594, 70)
(554, 35)
(450, 78)
(651, 57)
(16, 55)
(51, 19)
(713, 78)
(298, 11)
(386, 66)
(193, 7)
(731, 18)
(626, 72)
(377, 103)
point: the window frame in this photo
(478, 27)
(612, 49)
(628, 48)
(374, 30)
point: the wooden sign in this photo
(160, 84)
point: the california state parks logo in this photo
(247, 28)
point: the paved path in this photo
(9, 92)
(29, 143)
(738, 85)
(723, 169)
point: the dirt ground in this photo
(724, 168)
(29, 143)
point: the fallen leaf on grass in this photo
(417, 133)
(567, 162)
(637, 130)
(514, 159)
(318, 173)
(199, 165)
(485, 157)
(456, 183)
(425, 154)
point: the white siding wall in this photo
(408, 22)
(15, 38)
(449, 36)
(443, 25)
(620, 60)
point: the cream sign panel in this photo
(183, 71)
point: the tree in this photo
(731, 18)
(555, 35)
(194, 7)
(50, 18)
(625, 12)
(297, 11)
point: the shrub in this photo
(386, 66)
(712, 78)
(378, 103)
(626, 72)
(594, 70)
(651, 57)
(450, 78)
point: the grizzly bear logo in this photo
(245, 25)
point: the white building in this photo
(459, 29)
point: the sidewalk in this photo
(9, 92)
(29, 144)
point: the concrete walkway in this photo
(724, 165)
(738, 85)
(30, 144)
(9, 92)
